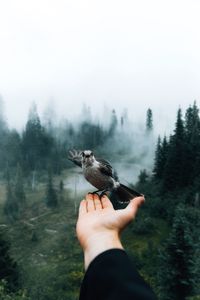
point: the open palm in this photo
(97, 218)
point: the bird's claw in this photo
(102, 194)
(97, 193)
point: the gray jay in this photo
(101, 175)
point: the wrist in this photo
(98, 243)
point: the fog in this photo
(121, 54)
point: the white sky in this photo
(125, 53)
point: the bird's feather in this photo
(76, 157)
(106, 168)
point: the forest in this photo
(40, 190)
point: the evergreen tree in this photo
(192, 128)
(3, 125)
(158, 165)
(192, 122)
(19, 188)
(61, 189)
(13, 151)
(36, 143)
(56, 158)
(113, 123)
(175, 173)
(61, 186)
(143, 177)
(160, 158)
(86, 113)
(49, 117)
(51, 196)
(89, 136)
(149, 121)
(8, 268)
(177, 275)
(11, 208)
(124, 119)
(3, 136)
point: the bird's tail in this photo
(124, 194)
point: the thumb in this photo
(133, 206)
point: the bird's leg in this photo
(101, 194)
(95, 192)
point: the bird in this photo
(99, 173)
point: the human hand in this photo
(99, 225)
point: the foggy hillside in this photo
(40, 191)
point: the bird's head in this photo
(87, 157)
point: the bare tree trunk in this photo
(33, 184)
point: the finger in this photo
(97, 202)
(83, 207)
(90, 202)
(105, 201)
(133, 206)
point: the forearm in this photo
(112, 276)
(100, 243)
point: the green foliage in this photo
(177, 161)
(43, 240)
(175, 172)
(161, 154)
(19, 187)
(36, 143)
(8, 268)
(177, 274)
(13, 153)
(143, 225)
(143, 177)
(149, 120)
(11, 207)
(51, 198)
(15, 195)
(6, 295)
(89, 135)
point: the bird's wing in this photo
(107, 169)
(75, 156)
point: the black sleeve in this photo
(112, 276)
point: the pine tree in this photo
(192, 128)
(8, 268)
(192, 121)
(175, 173)
(51, 196)
(61, 189)
(158, 165)
(13, 148)
(177, 274)
(11, 207)
(143, 177)
(113, 123)
(3, 136)
(36, 143)
(160, 158)
(19, 188)
(149, 121)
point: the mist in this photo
(130, 55)
(112, 135)
(82, 74)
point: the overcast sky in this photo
(125, 53)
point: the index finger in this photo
(83, 207)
